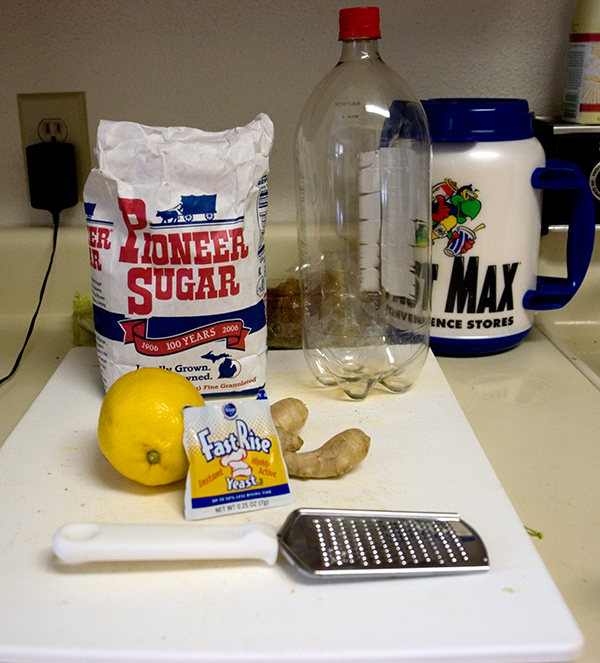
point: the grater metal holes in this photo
(338, 543)
(382, 542)
(458, 543)
(397, 545)
(359, 545)
(408, 543)
(322, 543)
(372, 543)
(348, 550)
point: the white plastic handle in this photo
(96, 542)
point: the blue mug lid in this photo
(478, 119)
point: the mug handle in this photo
(554, 292)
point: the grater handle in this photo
(98, 542)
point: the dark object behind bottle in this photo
(578, 143)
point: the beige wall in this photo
(214, 64)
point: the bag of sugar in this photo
(176, 219)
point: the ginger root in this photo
(336, 457)
(289, 441)
(289, 413)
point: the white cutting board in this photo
(424, 456)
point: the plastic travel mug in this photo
(488, 173)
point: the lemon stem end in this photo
(153, 457)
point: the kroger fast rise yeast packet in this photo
(235, 459)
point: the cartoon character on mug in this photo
(452, 207)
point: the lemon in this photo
(140, 429)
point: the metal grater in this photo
(344, 543)
(319, 542)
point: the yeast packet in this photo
(236, 463)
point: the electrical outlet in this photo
(60, 116)
(52, 129)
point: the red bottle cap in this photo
(359, 23)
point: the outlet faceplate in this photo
(53, 129)
(60, 116)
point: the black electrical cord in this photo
(52, 177)
(55, 220)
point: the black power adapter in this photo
(52, 173)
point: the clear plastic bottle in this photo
(363, 158)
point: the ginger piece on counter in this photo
(289, 413)
(289, 441)
(336, 457)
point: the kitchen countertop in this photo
(537, 419)
(535, 415)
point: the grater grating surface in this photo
(346, 543)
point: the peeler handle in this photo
(98, 542)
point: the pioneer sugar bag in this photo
(176, 219)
